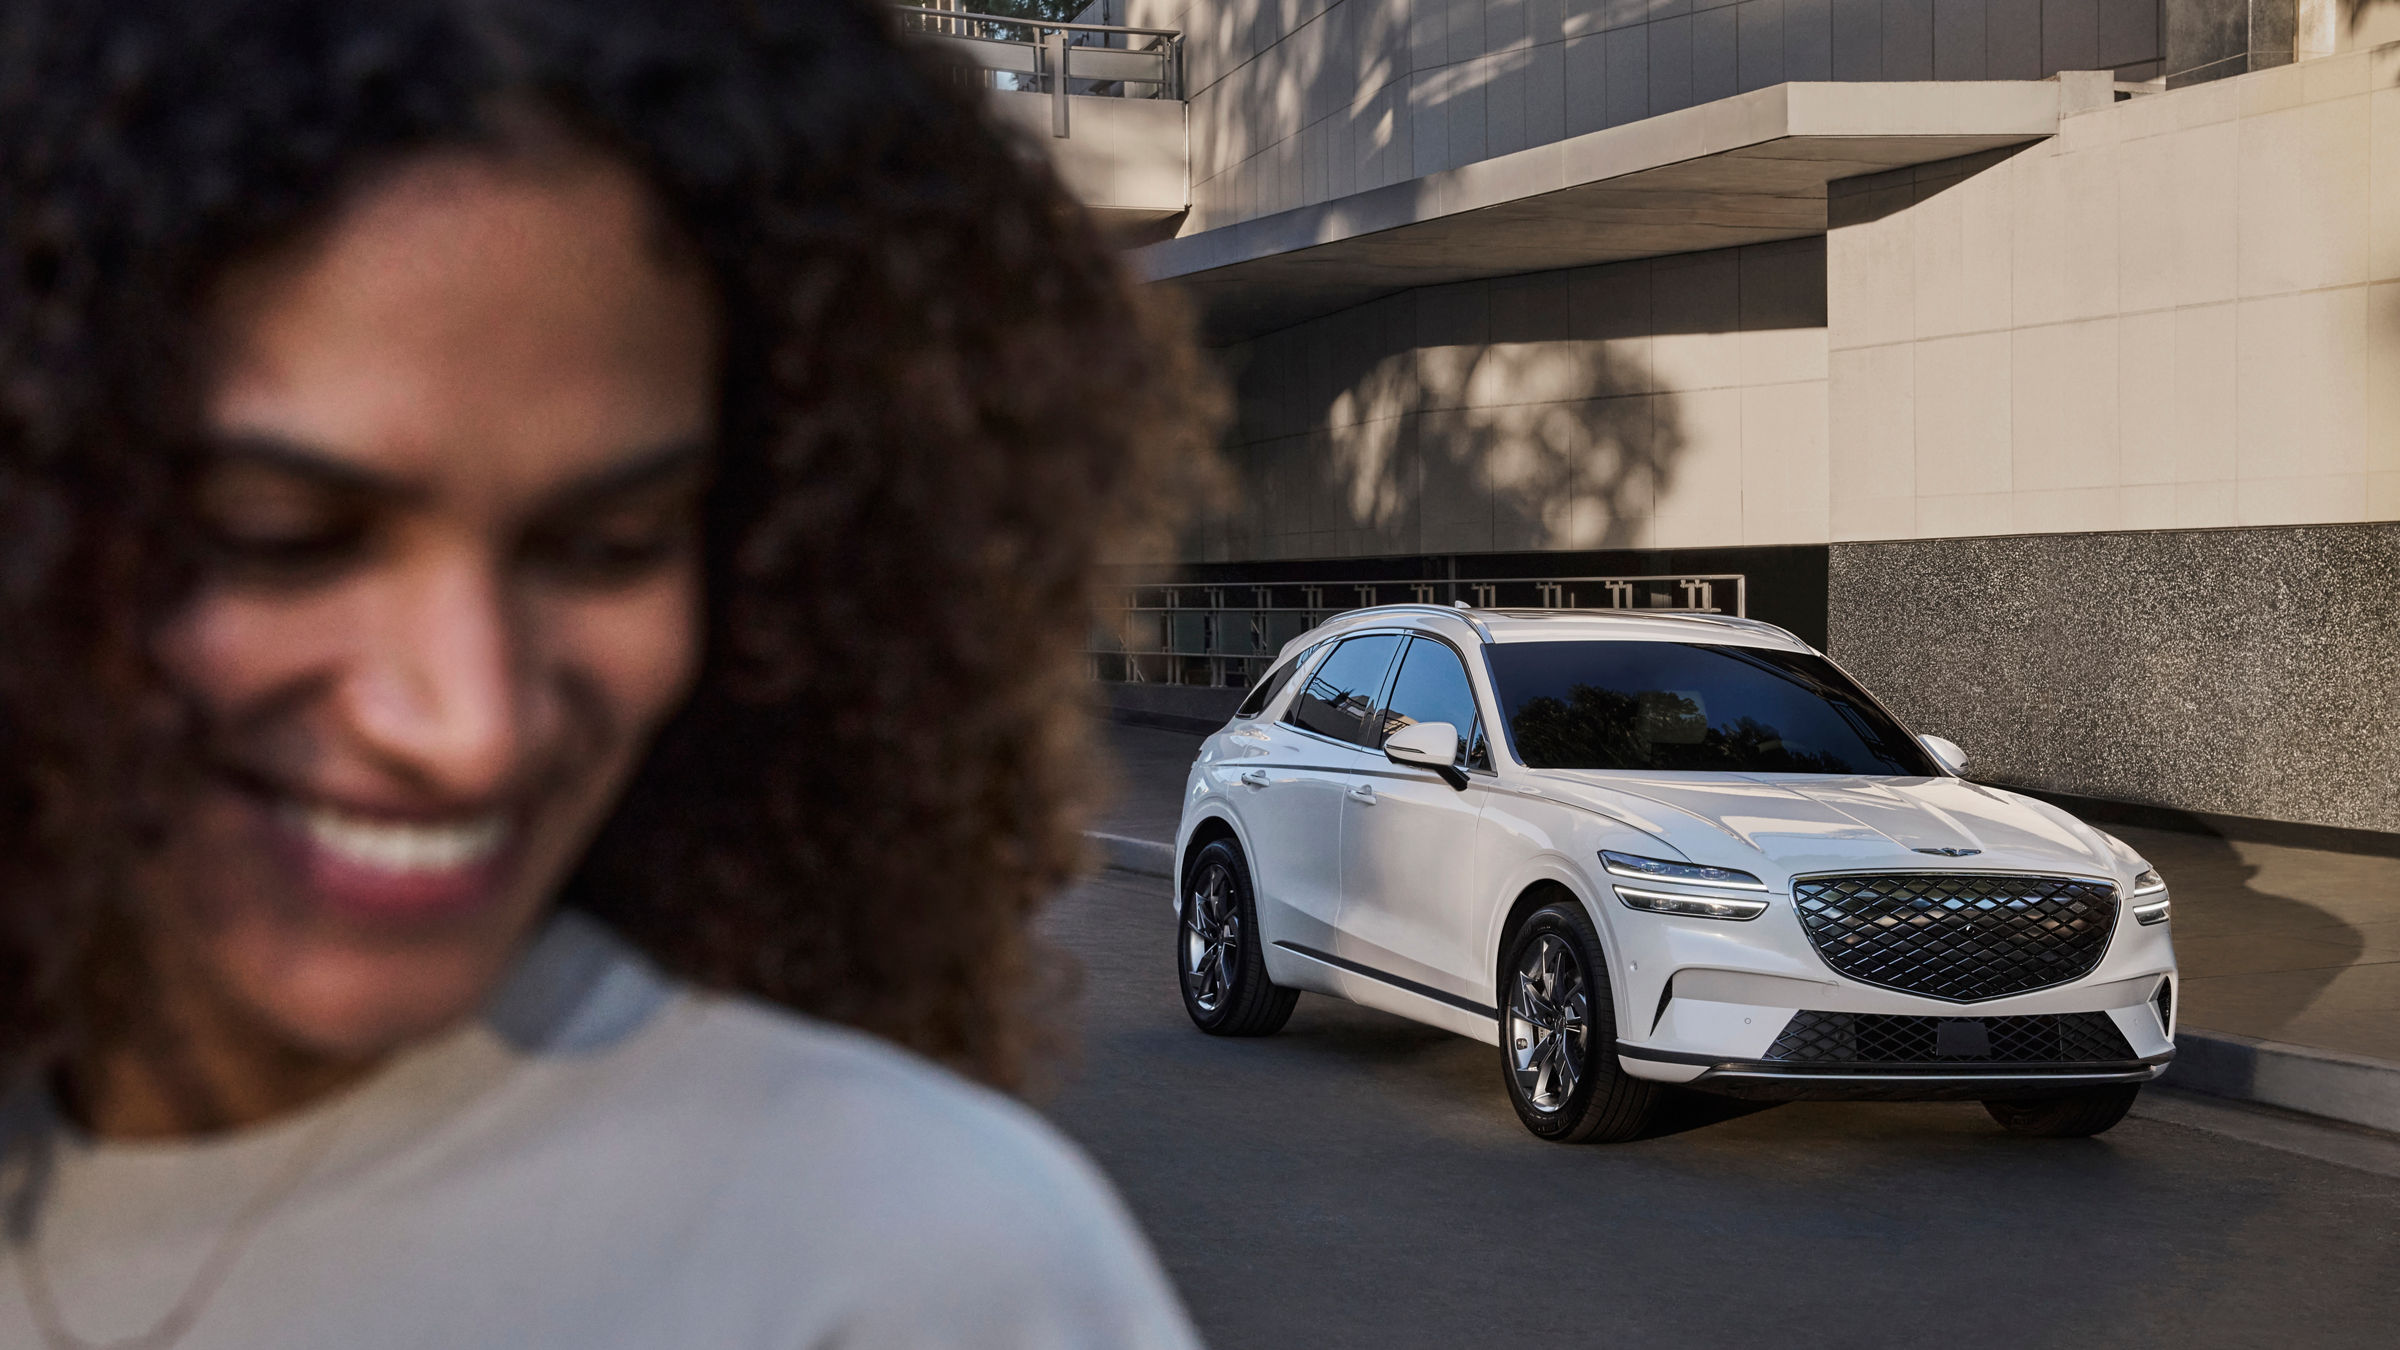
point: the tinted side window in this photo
(1432, 687)
(1264, 692)
(1337, 698)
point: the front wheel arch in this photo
(1532, 900)
(1205, 831)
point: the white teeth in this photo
(389, 846)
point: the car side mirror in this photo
(1428, 745)
(1946, 753)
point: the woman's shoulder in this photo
(936, 1204)
(962, 1215)
(797, 1075)
(589, 1007)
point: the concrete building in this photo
(2040, 358)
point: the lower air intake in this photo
(1880, 1038)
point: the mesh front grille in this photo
(1958, 936)
(1877, 1038)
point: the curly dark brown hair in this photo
(944, 403)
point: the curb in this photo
(2328, 1083)
(1142, 857)
(2349, 1088)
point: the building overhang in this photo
(1123, 158)
(1742, 170)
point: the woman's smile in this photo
(379, 868)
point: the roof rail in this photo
(1471, 616)
(1695, 615)
(1418, 607)
(1739, 621)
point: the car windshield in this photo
(1693, 706)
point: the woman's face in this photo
(459, 441)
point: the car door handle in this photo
(1364, 792)
(1255, 778)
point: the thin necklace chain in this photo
(214, 1269)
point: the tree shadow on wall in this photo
(1362, 436)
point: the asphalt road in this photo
(1358, 1180)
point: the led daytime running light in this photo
(1659, 869)
(2149, 882)
(1692, 906)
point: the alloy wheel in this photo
(1212, 936)
(1548, 1018)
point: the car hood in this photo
(1798, 823)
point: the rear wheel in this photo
(2071, 1115)
(1558, 1036)
(1218, 958)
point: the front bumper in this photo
(1782, 1081)
(1708, 1004)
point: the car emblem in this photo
(1952, 852)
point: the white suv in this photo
(1638, 850)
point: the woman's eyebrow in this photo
(636, 472)
(639, 470)
(317, 467)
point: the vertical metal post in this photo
(1058, 84)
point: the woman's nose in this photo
(439, 693)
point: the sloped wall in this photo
(1299, 101)
(2182, 311)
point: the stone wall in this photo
(2251, 672)
(1670, 403)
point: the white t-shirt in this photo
(604, 1159)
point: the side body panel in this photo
(1295, 819)
(1410, 889)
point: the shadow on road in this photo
(2257, 959)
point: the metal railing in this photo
(1059, 59)
(1224, 634)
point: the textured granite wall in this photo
(2248, 672)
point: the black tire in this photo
(1600, 1103)
(1219, 963)
(2073, 1115)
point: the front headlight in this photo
(1659, 869)
(1684, 874)
(2150, 903)
(1692, 906)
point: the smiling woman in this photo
(541, 552)
(450, 496)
